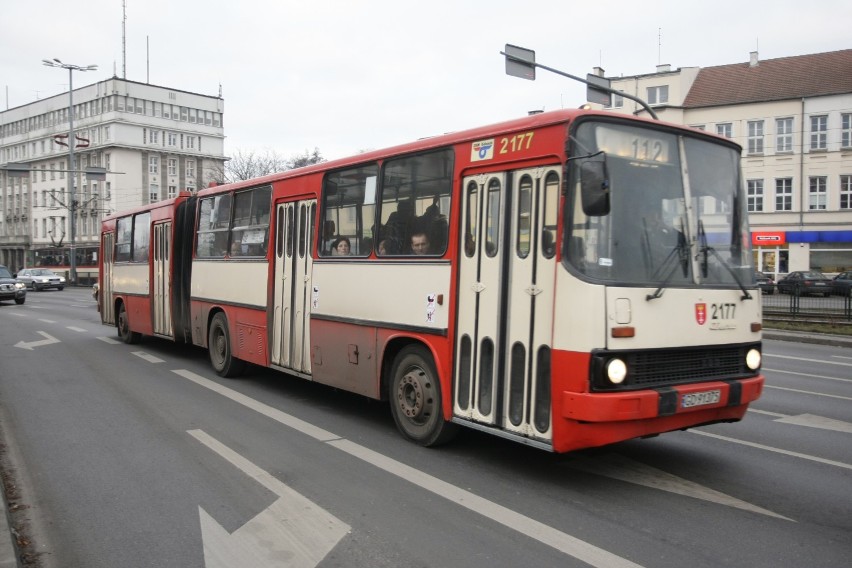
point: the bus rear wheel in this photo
(124, 332)
(415, 398)
(219, 347)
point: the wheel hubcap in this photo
(412, 396)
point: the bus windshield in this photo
(670, 211)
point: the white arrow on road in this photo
(293, 531)
(29, 345)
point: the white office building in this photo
(153, 141)
(793, 118)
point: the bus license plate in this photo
(700, 398)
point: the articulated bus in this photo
(566, 280)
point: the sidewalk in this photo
(803, 337)
(8, 552)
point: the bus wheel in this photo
(219, 347)
(124, 332)
(415, 398)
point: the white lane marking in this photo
(295, 423)
(813, 421)
(776, 450)
(147, 357)
(534, 529)
(72, 328)
(48, 340)
(46, 320)
(18, 315)
(625, 469)
(293, 529)
(809, 360)
(809, 375)
(109, 340)
(809, 420)
(753, 410)
(808, 392)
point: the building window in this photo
(755, 195)
(818, 192)
(153, 193)
(755, 137)
(725, 129)
(784, 194)
(172, 191)
(190, 142)
(153, 165)
(784, 135)
(658, 95)
(846, 192)
(819, 132)
(172, 167)
(846, 130)
(190, 169)
(699, 126)
(172, 139)
(617, 101)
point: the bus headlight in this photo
(753, 359)
(616, 371)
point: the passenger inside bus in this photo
(341, 247)
(420, 244)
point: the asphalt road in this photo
(139, 455)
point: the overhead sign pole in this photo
(520, 62)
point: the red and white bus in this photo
(566, 280)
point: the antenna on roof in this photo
(659, 45)
(124, 39)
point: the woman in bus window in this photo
(341, 247)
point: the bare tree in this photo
(245, 165)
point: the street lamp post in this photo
(72, 192)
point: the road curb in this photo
(816, 338)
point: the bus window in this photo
(524, 235)
(141, 237)
(492, 218)
(551, 203)
(250, 231)
(349, 203)
(471, 225)
(213, 220)
(415, 204)
(123, 242)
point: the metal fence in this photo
(819, 308)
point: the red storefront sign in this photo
(769, 238)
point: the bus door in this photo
(506, 291)
(105, 286)
(162, 280)
(293, 262)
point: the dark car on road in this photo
(41, 279)
(842, 284)
(806, 283)
(764, 282)
(10, 288)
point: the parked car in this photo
(842, 284)
(805, 283)
(10, 288)
(41, 279)
(764, 282)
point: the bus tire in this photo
(219, 348)
(415, 398)
(123, 325)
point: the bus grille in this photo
(663, 367)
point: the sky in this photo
(345, 76)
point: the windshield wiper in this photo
(705, 249)
(682, 252)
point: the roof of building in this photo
(784, 78)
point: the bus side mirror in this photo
(594, 188)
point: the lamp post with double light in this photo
(72, 197)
